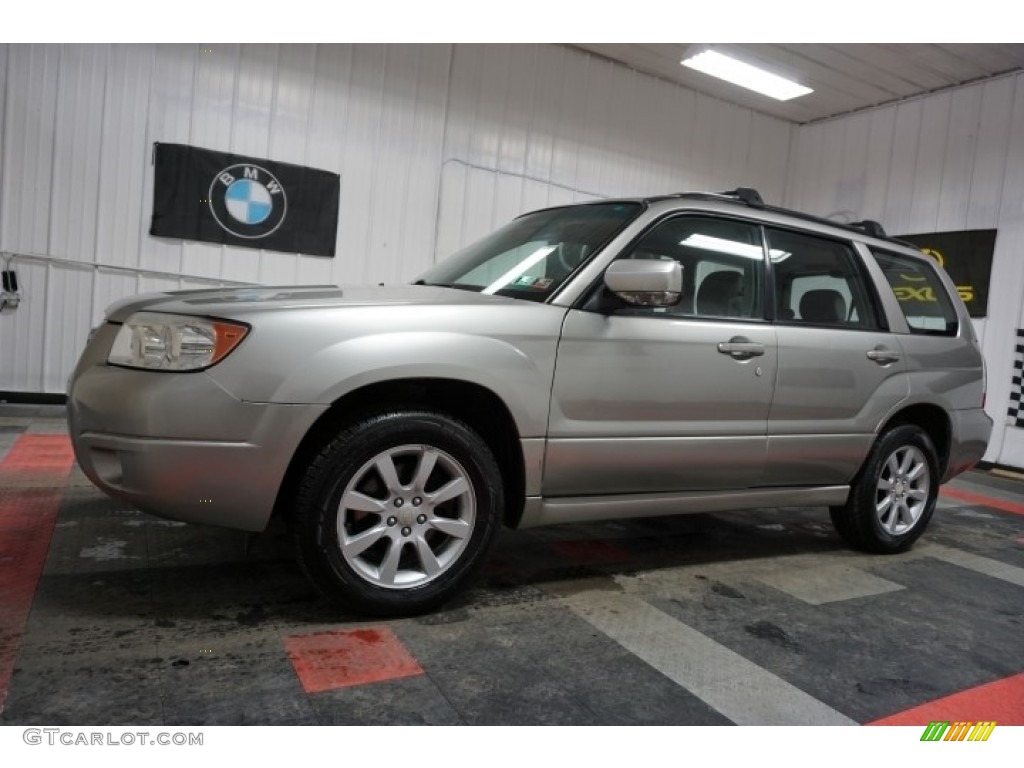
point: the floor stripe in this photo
(741, 690)
(1001, 701)
(984, 565)
(981, 500)
(828, 583)
(32, 477)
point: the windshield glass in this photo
(531, 256)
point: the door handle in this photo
(883, 356)
(741, 348)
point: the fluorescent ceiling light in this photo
(721, 245)
(746, 75)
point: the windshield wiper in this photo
(456, 286)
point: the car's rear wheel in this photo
(893, 497)
(397, 512)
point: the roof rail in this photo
(747, 195)
(871, 227)
(751, 197)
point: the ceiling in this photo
(845, 77)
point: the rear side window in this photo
(920, 293)
(819, 282)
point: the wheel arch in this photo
(479, 407)
(933, 420)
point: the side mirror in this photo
(646, 282)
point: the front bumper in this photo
(177, 445)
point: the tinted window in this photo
(920, 294)
(819, 282)
(722, 262)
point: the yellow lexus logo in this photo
(935, 255)
(927, 252)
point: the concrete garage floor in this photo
(112, 617)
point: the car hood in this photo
(240, 301)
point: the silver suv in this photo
(616, 359)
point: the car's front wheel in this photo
(893, 497)
(397, 512)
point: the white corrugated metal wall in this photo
(949, 161)
(435, 145)
(530, 126)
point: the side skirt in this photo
(578, 509)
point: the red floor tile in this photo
(32, 477)
(589, 551)
(983, 501)
(328, 660)
(1001, 701)
(39, 453)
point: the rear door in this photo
(840, 369)
(656, 399)
(944, 362)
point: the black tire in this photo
(888, 510)
(391, 577)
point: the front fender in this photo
(317, 355)
(522, 380)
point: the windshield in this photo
(531, 256)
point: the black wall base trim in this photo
(33, 398)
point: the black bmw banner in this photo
(967, 257)
(218, 197)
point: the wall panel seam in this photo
(1006, 153)
(53, 145)
(99, 183)
(439, 187)
(5, 130)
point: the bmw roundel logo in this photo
(248, 201)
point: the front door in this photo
(656, 399)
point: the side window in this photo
(920, 293)
(819, 282)
(722, 262)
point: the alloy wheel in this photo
(406, 516)
(902, 490)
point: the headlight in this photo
(161, 342)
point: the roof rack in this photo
(871, 227)
(747, 195)
(752, 198)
